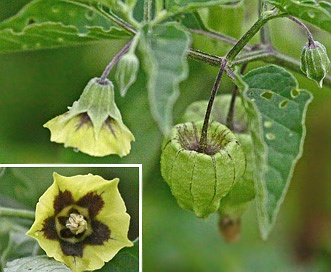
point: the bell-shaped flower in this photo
(81, 221)
(93, 124)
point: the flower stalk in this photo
(311, 41)
(204, 136)
(227, 60)
(114, 61)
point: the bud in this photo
(93, 124)
(200, 180)
(315, 62)
(126, 72)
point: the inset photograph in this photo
(70, 218)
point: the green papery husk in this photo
(242, 193)
(200, 180)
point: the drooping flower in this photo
(81, 221)
(93, 124)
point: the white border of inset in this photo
(95, 166)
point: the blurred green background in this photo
(36, 86)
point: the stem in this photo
(311, 41)
(252, 56)
(268, 55)
(230, 116)
(264, 33)
(218, 36)
(113, 62)
(204, 57)
(148, 10)
(9, 212)
(204, 132)
(249, 35)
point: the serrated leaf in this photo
(49, 23)
(276, 111)
(35, 264)
(164, 48)
(316, 13)
(178, 6)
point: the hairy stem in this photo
(264, 33)
(9, 212)
(249, 35)
(230, 116)
(204, 57)
(113, 62)
(204, 132)
(148, 10)
(268, 56)
(218, 36)
(311, 41)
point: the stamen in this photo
(76, 223)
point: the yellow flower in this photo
(81, 221)
(93, 124)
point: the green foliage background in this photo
(36, 86)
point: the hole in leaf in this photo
(31, 21)
(89, 14)
(295, 93)
(270, 136)
(267, 95)
(283, 104)
(55, 9)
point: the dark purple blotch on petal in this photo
(62, 200)
(108, 123)
(70, 249)
(93, 202)
(49, 228)
(100, 234)
(84, 119)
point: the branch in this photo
(265, 55)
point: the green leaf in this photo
(178, 6)
(231, 22)
(276, 111)
(37, 263)
(127, 260)
(164, 49)
(49, 23)
(318, 14)
(15, 244)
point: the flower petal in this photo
(108, 221)
(113, 138)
